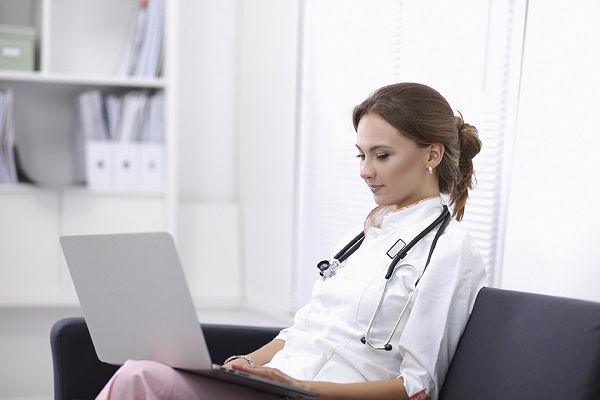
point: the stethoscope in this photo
(328, 268)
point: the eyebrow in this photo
(376, 147)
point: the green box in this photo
(17, 48)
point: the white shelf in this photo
(56, 301)
(79, 80)
(20, 188)
(24, 188)
(85, 191)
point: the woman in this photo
(411, 149)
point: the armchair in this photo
(516, 346)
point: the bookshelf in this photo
(80, 45)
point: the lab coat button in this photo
(288, 355)
(375, 235)
(328, 311)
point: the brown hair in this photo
(422, 114)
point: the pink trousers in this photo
(148, 380)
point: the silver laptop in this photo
(137, 305)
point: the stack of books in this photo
(136, 116)
(145, 49)
(8, 169)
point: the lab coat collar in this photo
(391, 218)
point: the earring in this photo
(430, 169)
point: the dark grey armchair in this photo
(516, 346)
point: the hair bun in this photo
(468, 136)
(470, 145)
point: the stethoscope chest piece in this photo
(328, 268)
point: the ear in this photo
(435, 154)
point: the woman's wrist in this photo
(247, 358)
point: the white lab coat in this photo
(324, 342)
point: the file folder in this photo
(152, 169)
(127, 165)
(99, 162)
(135, 165)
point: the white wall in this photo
(267, 129)
(552, 228)
(207, 46)
(205, 86)
(237, 88)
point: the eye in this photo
(382, 156)
(361, 156)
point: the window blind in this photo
(350, 48)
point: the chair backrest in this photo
(527, 346)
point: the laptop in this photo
(137, 306)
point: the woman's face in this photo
(393, 166)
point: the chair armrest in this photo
(227, 340)
(79, 374)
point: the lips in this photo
(375, 188)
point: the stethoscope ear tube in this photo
(443, 218)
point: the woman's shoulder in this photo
(456, 241)
(457, 233)
(457, 259)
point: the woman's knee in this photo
(141, 379)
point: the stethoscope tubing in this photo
(350, 248)
(387, 346)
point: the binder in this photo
(145, 48)
(100, 165)
(8, 168)
(123, 146)
(91, 115)
(127, 165)
(152, 169)
(151, 52)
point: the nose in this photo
(366, 169)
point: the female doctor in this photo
(387, 313)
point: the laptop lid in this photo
(135, 299)
(137, 305)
